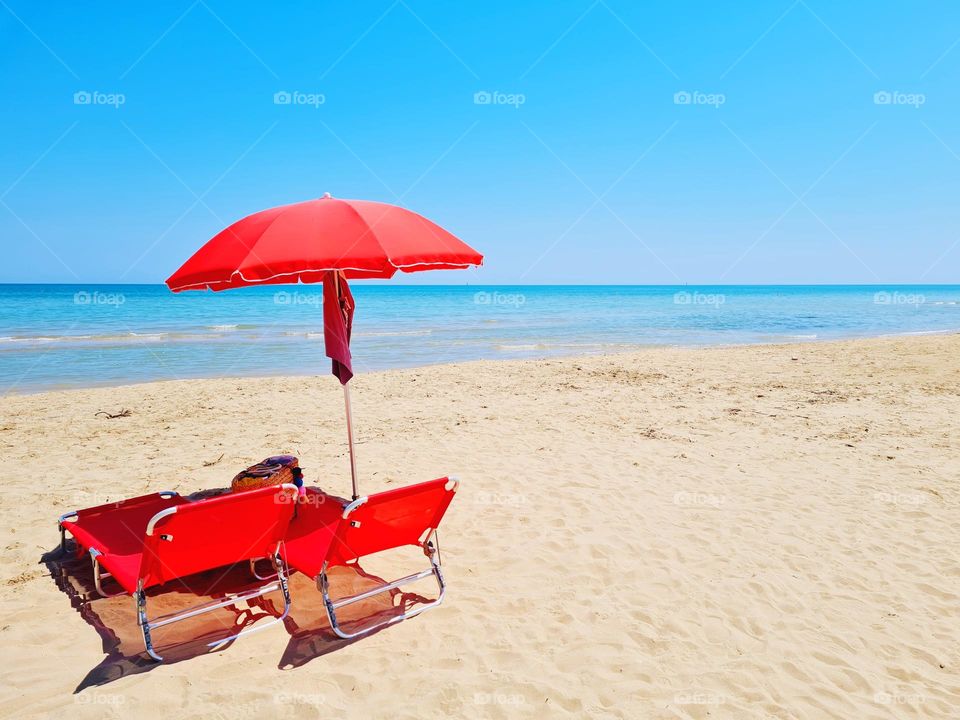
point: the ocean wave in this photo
(313, 334)
(393, 333)
(105, 339)
(44, 339)
(230, 327)
(923, 332)
(552, 346)
(309, 334)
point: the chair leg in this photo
(258, 576)
(280, 583)
(98, 575)
(63, 530)
(281, 575)
(331, 606)
(141, 600)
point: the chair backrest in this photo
(312, 531)
(117, 527)
(212, 533)
(393, 518)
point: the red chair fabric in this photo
(312, 532)
(116, 531)
(219, 531)
(237, 527)
(390, 519)
(198, 536)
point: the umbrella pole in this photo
(353, 460)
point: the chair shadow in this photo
(311, 636)
(115, 618)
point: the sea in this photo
(69, 336)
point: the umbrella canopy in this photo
(301, 242)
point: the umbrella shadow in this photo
(115, 618)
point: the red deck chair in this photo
(153, 539)
(327, 533)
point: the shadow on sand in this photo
(310, 636)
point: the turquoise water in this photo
(54, 336)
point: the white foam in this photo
(923, 332)
(395, 333)
(520, 347)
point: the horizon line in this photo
(384, 283)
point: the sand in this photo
(751, 532)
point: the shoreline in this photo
(640, 349)
(72, 337)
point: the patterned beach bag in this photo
(274, 470)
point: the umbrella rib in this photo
(369, 230)
(237, 273)
(251, 249)
(251, 252)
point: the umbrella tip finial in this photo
(327, 196)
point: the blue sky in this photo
(586, 165)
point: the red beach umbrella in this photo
(301, 242)
(326, 240)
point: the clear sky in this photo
(571, 141)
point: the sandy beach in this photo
(749, 532)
